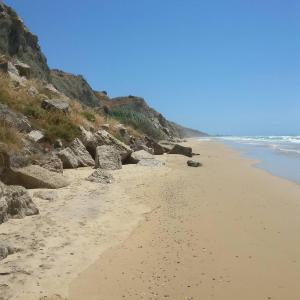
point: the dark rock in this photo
(56, 105)
(193, 163)
(157, 148)
(108, 157)
(178, 149)
(24, 69)
(15, 202)
(100, 176)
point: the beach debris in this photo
(193, 163)
(100, 176)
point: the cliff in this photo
(17, 42)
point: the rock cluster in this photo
(15, 202)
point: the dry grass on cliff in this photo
(54, 124)
(10, 136)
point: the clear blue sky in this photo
(222, 66)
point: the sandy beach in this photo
(226, 230)
(223, 231)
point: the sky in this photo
(221, 66)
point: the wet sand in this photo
(225, 231)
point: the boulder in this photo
(157, 148)
(104, 138)
(33, 177)
(52, 163)
(56, 105)
(140, 155)
(83, 156)
(193, 163)
(15, 202)
(68, 158)
(108, 157)
(100, 176)
(92, 140)
(6, 250)
(178, 149)
(14, 119)
(36, 136)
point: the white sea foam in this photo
(285, 144)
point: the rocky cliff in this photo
(18, 46)
(135, 111)
(17, 42)
(74, 86)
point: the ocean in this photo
(279, 155)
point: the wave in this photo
(282, 144)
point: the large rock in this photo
(56, 105)
(15, 202)
(140, 155)
(68, 158)
(52, 163)
(157, 148)
(100, 176)
(83, 156)
(178, 149)
(33, 177)
(108, 157)
(14, 119)
(92, 140)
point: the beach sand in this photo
(226, 230)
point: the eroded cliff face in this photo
(17, 42)
(123, 107)
(75, 86)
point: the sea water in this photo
(279, 155)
